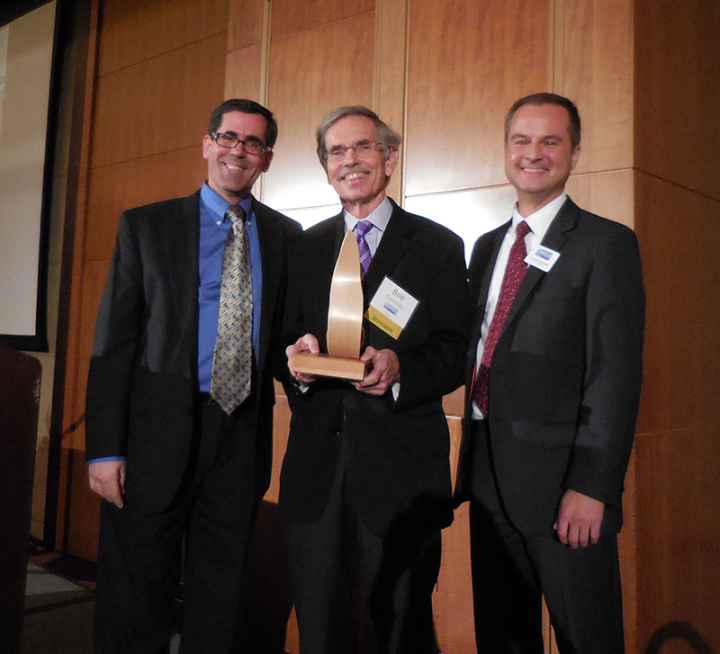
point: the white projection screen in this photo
(26, 61)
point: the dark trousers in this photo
(359, 593)
(140, 557)
(511, 570)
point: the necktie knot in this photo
(236, 214)
(522, 229)
(362, 227)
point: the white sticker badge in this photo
(391, 308)
(542, 258)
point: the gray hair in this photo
(386, 135)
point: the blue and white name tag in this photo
(542, 258)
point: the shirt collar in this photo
(539, 221)
(379, 217)
(218, 205)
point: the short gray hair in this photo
(386, 135)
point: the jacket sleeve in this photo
(615, 312)
(437, 366)
(118, 331)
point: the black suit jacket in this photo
(142, 385)
(399, 450)
(566, 372)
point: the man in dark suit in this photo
(180, 396)
(554, 373)
(366, 482)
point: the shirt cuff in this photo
(395, 388)
(100, 459)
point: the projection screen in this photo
(26, 58)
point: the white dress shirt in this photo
(380, 217)
(539, 222)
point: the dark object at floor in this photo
(19, 398)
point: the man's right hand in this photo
(107, 479)
(309, 344)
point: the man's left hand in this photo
(579, 519)
(384, 371)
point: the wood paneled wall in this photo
(677, 206)
(443, 73)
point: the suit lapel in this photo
(184, 234)
(555, 239)
(270, 256)
(392, 249)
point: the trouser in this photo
(357, 592)
(512, 570)
(140, 557)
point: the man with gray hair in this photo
(366, 481)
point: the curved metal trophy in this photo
(345, 316)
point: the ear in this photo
(268, 157)
(574, 157)
(206, 145)
(391, 162)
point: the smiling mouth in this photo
(233, 168)
(353, 176)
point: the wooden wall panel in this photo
(133, 183)
(245, 22)
(679, 241)
(389, 78)
(678, 566)
(452, 600)
(312, 72)
(468, 61)
(594, 67)
(160, 105)
(94, 283)
(290, 16)
(677, 95)
(138, 30)
(609, 194)
(678, 483)
(243, 76)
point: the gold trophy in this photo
(345, 316)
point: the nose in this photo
(535, 150)
(351, 150)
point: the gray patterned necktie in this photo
(232, 359)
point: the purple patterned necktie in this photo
(361, 229)
(514, 274)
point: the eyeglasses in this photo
(229, 140)
(361, 149)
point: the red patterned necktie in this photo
(514, 274)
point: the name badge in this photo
(542, 258)
(391, 308)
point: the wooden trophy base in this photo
(324, 365)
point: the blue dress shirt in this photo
(214, 230)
